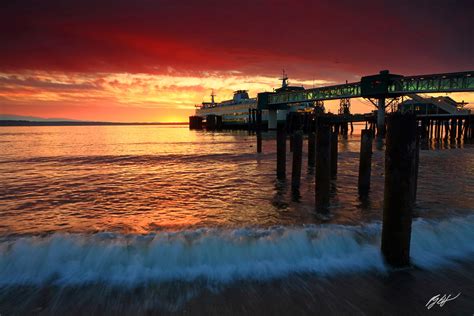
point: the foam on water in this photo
(219, 255)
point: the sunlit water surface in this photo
(141, 205)
(139, 179)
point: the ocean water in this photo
(179, 220)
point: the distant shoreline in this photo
(76, 123)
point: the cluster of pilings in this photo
(343, 128)
(212, 122)
(255, 120)
(401, 172)
(256, 126)
(446, 127)
(342, 124)
(300, 121)
(195, 122)
(371, 126)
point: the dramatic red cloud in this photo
(73, 48)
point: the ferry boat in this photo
(235, 112)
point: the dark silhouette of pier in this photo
(382, 90)
(405, 133)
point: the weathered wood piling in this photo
(323, 168)
(195, 122)
(213, 122)
(311, 149)
(334, 154)
(417, 163)
(404, 135)
(400, 164)
(258, 129)
(365, 163)
(297, 159)
(259, 141)
(281, 152)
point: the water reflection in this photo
(146, 178)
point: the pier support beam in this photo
(400, 161)
(365, 163)
(195, 122)
(334, 136)
(381, 117)
(466, 129)
(453, 129)
(311, 148)
(281, 152)
(259, 130)
(259, 141)
(250, 120)
(323, 168)
(460, 128)
(272, 119)
(254, 119)
(297, 159)
(415, 176)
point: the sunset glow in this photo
(122, 62)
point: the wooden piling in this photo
(466, 129)
(195, 122)
(453, 128)
(254, 119)
(259, 141)
(281, 151)
(250, 120)
(433, 129)
(323, 168)
(459, 129)
(297, 159)
(259, 120)
(365, 162)
(415, 176)
(440, 122)
(470, 133)
(311, 148)
(422, 129)
(400, 158)
(344, 128)
(259, 130)
(334, 139)
(430, 129)
(438, 125)
(446, 129)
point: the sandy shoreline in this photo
(394, 293)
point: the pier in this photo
(382, 90)
(405, 133)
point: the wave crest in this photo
(219, 255)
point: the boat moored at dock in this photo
(240, 112)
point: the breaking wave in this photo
(219, 255)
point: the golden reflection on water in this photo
(140, 179)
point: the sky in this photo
(153, 60)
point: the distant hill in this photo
(18, 120)
(10, 117)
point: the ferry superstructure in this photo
(235, 112)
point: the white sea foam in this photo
(223, 255)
